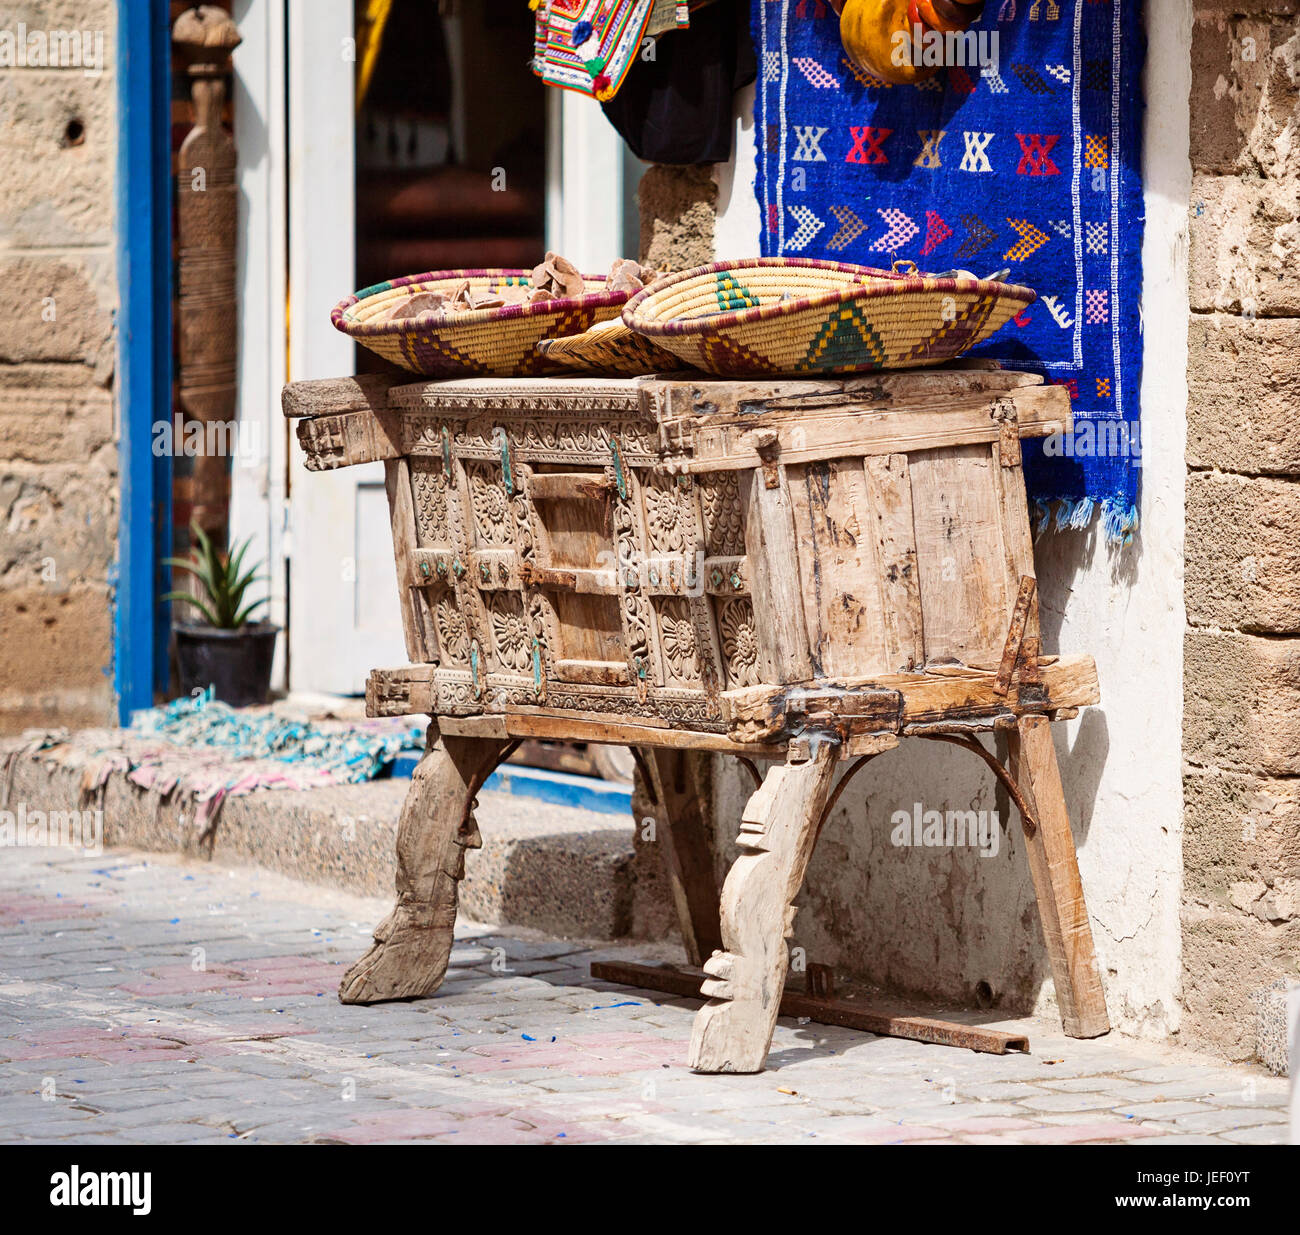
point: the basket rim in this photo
(888, 283)
(341, 320)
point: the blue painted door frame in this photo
(144, 331)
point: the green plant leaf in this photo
(199, 604)
(243, 615)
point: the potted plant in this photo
(226, 650)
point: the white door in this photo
(343, 601)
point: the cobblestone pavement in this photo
(145, 999)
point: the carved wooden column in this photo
(207, 217)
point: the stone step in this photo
(558, 869)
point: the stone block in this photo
(56, 657)
(1243, 553)
(1241, 706)
(57, 159)
(58, 309)
(1238, 827)
(1245, 245)
(54, 414)
(1227, 957)
(1244, 97)
(678, 216)
(1243, 394)
(60, 524)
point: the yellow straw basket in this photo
(781, 315)
(482, 342)
(610, 347)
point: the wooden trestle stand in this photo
(799, 571)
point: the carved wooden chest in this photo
(799, 571)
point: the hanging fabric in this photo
(676, 106)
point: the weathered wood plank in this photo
(681, 781)
(337, 396)
(401, 513)
(331, 442)
(959, 692)
(854, 432)
(772, 552)
(889, 501)
(839, 574)
(961, 554)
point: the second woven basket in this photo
(792, 316)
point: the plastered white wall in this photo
(944, 922)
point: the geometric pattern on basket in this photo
(436, 357)
(955, 336)
(846, 340)
(733, 295)
(728, 358)
(486, 342)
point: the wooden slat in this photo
(593, 672)
(772, 550)
(924, 698)
(889, 502)
(721, 399)
(863, 431)
(680, 779)
(331, 442)
(839, 575)
(966, 595)
(401, 513)
(826, 1010)
(565, 486)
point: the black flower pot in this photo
(235, 663)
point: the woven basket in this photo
(781, 315)
(483, 342)
(610, 347)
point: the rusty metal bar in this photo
(842, 1012)
(1015, 634)
(1028, 820)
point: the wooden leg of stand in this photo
(1055, 870)
(680, 781)
(733, 1031)
(413, 944)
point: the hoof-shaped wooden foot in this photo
(728, 1035)
(413, 944)
(409, 958)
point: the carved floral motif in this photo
(669, 522)
(511, 635)
(492, 518)
(677, 638)
(453, 633)
(739, 642)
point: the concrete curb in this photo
(561, 870)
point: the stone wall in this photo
(58, 459)
(1241, 728)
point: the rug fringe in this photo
(1075, 514)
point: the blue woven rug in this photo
(1031, 165)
